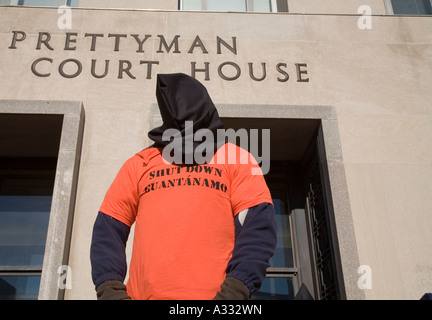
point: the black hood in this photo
(182, 98)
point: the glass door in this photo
(280, 282)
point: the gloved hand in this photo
(232, 289)
(112, 290)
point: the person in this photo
(202, 230)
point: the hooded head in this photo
(184, 100)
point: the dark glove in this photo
(112, 290)
(232, 289)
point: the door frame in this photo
(343, 235)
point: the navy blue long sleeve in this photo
(255, 242)
(108, 249)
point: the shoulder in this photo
(146, 155)
(135, 163)
(233, 154)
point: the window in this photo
(279, 282)
(40, 148)
(40, 3)
(229, 5)
(304, 263)
(295, 186)
(24, 220)
(29, 146)
(412, 7)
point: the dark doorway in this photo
(303, 266)
(29, 146)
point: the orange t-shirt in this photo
(184, 220)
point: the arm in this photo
(255, 242)
(111, 230)
(108, 257)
